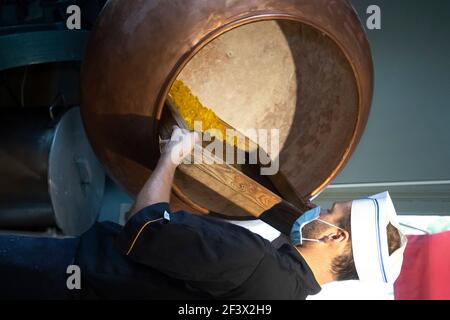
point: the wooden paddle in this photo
(234, 185)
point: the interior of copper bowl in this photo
(283, 75)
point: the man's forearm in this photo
(158, 187)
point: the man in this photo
(163, 255)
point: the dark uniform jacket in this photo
(184, 256)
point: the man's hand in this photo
(180, 145)
(158, 186)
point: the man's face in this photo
(317, 229)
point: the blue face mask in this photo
(300, 223)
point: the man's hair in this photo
(344, 265)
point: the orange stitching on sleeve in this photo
(139, 233)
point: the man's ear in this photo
(337, 236)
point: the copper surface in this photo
(138, 48)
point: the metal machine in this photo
(50, 178)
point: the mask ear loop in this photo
(312, 240)
(330, 224)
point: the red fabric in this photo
(425, 272)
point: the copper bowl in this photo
(301, 66)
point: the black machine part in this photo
(49, 175)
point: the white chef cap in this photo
(369, 219)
